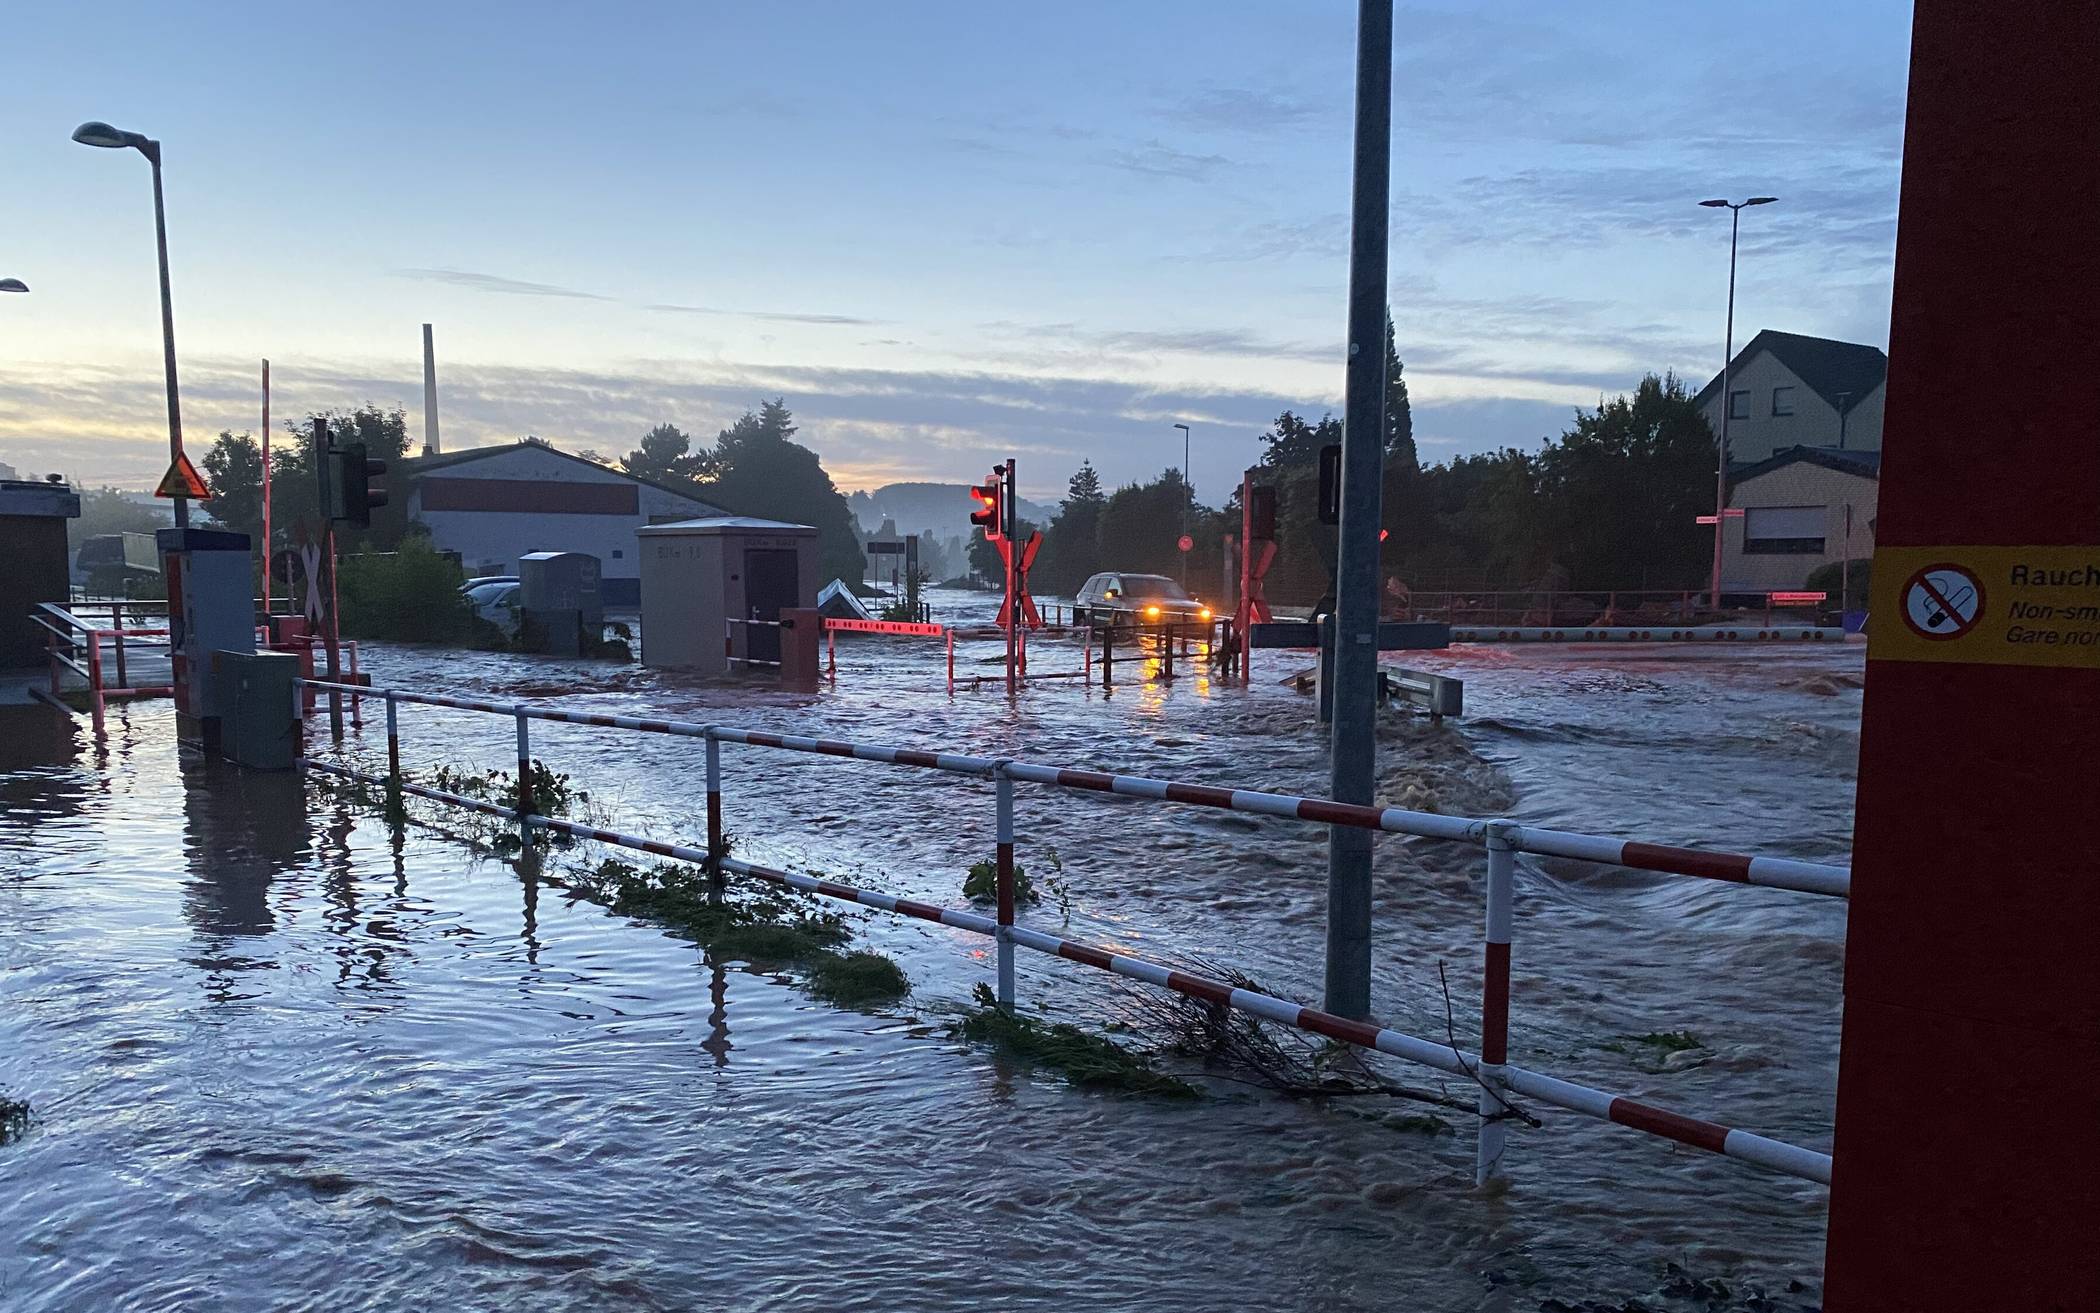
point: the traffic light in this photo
(1331, 484)
(990, 515)
(351, 493)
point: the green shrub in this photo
(410, 595)
(1824, 579)
(856, 980)
(1084, 1059)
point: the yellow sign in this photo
(2001, 606)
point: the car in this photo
(494, 600)
(1114, 597)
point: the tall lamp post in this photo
(1735, 223)
(102, 134)
(1188, 496)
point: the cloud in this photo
(1251, 109)
(495, 283)
(777, 316)
(1157, 159)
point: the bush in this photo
(410, 595)
(1824, 579)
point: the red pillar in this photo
(1967, 1170)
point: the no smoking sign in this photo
(1942, 602)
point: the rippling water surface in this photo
(279, 1059)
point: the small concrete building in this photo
(493, 505)
(698, 574)
(1797, 507)
(1786, 390)
(33, 519)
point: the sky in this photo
(945, 233)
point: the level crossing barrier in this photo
(1499, 1081)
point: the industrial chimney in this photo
(430, 396)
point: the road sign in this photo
(1187, 544)
(182, 480)
(1941, 602)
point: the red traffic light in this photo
(988, 517)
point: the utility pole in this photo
(1188, 498)
(1735, 224)
(1354, 745)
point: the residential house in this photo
(1802, 509)
(1786, 390)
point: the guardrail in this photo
(73, 644)
(1498, 1080)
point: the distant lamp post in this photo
(13, 285)
(1188, 493)
(1735, 221)
(102, 134)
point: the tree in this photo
(756, 469)
(666, 455)
(233, 468)
(1141, 523)
(1621, 488)
(1071, 548)
(1399, 415)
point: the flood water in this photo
(279, 1060)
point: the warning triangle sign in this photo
(182, 480)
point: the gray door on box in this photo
(772, 576)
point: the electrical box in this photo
(561, 581)
(259, 727)
(211, 608)
(713, 589)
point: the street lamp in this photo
(102, 134)
(1735, 220)
(13, 285)
(1188, 494)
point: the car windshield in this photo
(1153, 585)
(482, 593)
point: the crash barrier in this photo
(1602, 608)
(1681, 634)
(1498, 1081)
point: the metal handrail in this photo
(1490, 1069)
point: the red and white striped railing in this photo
(1490, 1068)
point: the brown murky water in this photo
(279, 1060)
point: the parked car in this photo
(1113, 597)
(495, 600)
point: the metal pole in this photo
(716, 849)
(950, 635)
(167, 329)
(1354, 752)
(1003, 787)
(524, 774)
(268, 549)
(1494, 999)
(1188, 497)
(94, 656)
(1845, 570)
(1735, 222)
(1008, 511)
(357, 701)
(393, 756)
(116, 629)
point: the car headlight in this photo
(1203, 613)
(1152, 613)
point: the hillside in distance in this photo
(943, 508)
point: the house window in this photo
(1784, 530)
(1739, 405)
(1782, 401)
(617, 553)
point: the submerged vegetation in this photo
(763, 925)
(1085, 1059)
(14, 1120)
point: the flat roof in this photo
(726, 524)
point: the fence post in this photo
(1003, 787)
(831, 653)
(94, 656)
(950, 633)
(1108, 654)
(715, 852)
(357, 700)
(51, 652)
(395, 806)
(116, 614)
(524, 774)
(1494, 1000)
